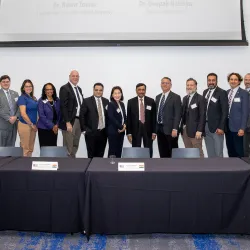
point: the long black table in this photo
(47, 201)
(170, 196)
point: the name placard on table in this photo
(44, 165)
(131, 166)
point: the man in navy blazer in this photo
(238, 101)
(246, 138)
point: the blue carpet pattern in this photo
(44, 241)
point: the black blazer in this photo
(68, 104)
(195, 115)
(248, 121)
(217, 110)
(115, 117)
(133, 116)
(89, 114)
(171, 112)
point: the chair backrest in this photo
(11, 151)
(133, 152)
(52, 151)
(185, 153)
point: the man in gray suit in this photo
(9, 113)
(246, 138)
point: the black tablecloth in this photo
(49, 201)
(171, 196)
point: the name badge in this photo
(16, 98)
(193, 106)
(148, 107)
(213, 99)
(106, 107)
(118, 110)
(237, 99)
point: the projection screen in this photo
(121, 22)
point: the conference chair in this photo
(11, 151)
(133, 152)
(185, 153)
(53, 151)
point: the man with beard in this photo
(246, 138)
(193, 117)
(216, 116)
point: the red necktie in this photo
(142, 112)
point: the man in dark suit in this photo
(168, 106)
(216, 117)
(71, 99)
(238, 101)
(193, 117)
(93, 119)
(246, 138)
(141, 119)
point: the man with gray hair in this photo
(246, 138)
(9, 113)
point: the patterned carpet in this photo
(43, 241)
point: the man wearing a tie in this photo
(9, 113)
(238, 101)
(71, 100)
(216, 116)
(168, 107)
(246, 138)
(93, 120)
(141, 119)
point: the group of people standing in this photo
(210, 116)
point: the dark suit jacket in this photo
(217, 110)
(248, 121)
(89, 116)
(171, 112)
(133, 116)
(195, 116)
(68, 104)
(239, 111)
(115, 117)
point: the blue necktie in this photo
(160, 113)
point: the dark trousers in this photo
(47, 137)
(246, 141)
(96, 143)
(115, 144)
(234, 144)
(143, 136)
(165, 143)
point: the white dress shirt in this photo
(190, 98)
(211, 94)
(166, 96)
(103, 116)
(78, 104)
(121, 113)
